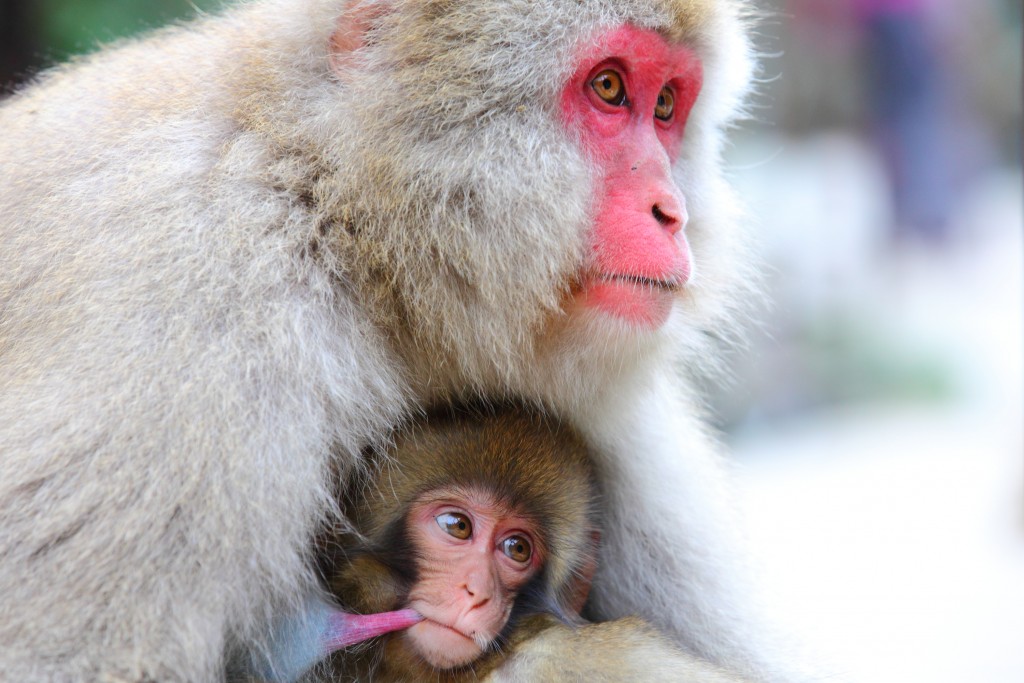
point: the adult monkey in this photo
(236, 253)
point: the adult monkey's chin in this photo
(643, 303)
(442, 647)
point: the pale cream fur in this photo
(609, 652)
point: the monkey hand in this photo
(629, 649)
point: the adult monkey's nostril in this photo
(666, 219)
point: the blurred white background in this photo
(877, 418)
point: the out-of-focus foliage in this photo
(73, 26)
(35, 34)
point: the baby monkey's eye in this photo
(455, 524)
(608, 86)
(518, 548)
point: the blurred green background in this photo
(42, 32)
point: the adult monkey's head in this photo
(499, 172)
(629, 102)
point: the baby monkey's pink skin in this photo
(475, 555)
(632, 127)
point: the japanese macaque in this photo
(237, 253)
(472, 513)
(476, 533)
(470, 516)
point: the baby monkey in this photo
(474, 520)
(470, 551)
(471, 521)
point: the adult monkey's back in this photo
(238, 252)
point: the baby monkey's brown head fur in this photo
(474, 517)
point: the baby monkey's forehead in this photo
(477, 496)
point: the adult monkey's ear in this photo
(579, 586)
(351, 32)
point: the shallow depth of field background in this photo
(877, 420)
(876, 414)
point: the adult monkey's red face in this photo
(629, 100)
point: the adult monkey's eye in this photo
(518, 548)
(666, 104)
(455, 524)
(608, 86)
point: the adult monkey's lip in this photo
(668, 284)
(641, 301)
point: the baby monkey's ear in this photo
(368, 587)
(578, 590)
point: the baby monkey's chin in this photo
(442, 647)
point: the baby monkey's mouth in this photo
(482, 640)
(451, 628)
(448, 647)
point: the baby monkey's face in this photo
(474, 555)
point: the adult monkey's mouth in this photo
(668, 285)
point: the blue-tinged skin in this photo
(296, 644)
(301, 640)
